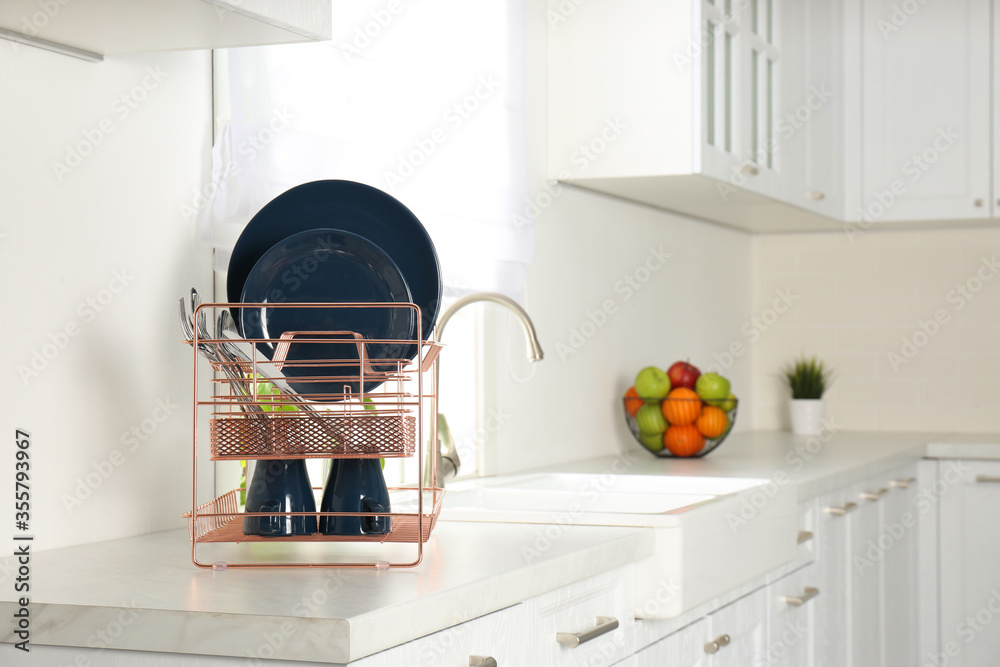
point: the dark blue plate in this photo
(328, 266)
(353, 207)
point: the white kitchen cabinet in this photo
(792, 620)
(809, 123)
(676, 104)
(899, 540)
(499, 635)
(739, 631)
(588, 623)
(926, 132)
(833, 575)
(969, 562)
(90, 30)
(865, 575)
(684, 648)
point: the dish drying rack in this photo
(384, 422)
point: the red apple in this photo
(683, 374)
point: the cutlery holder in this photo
(249, 417)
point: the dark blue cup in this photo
(280, 486)
(355, 485)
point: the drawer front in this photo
(684, 648)
(572, 626)
(499, 635)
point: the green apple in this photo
(652, 383)
(652, 441)
(725, 404)
(650, 419)
(712, 386)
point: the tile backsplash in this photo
(909, 319)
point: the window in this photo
(421, 100)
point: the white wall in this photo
(65, 238)
(691, 308)
(909, 319)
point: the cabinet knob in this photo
(750, 169)
(713, 646)
(482, 661)
(816, 195)
(605, 624)
(804, 536)
(841, 511)
(808, 593)
(873, 495)
(978, 203)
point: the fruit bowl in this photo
(680, 427)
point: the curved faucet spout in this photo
(444, 449)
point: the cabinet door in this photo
(760, 70)
(740, 629)
(834, 521)
(926, 121)
(899, 541)
(810, 121)
(970, 562)
(792, 620)
(865, 575)
(684, 648)
(722, 136)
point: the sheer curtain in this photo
(423, 100)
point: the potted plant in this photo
(807, 379)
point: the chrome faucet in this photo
(444, 449)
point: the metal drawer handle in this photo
(605, 624)
(481, 661)
(816, 194)
(804, 536)
(988, 479)
(903, 483)
(750, 169)
(841, 511)
(807, 594)
(713, 646)
(873, 495)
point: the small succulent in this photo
(807, 377)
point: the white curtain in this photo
(423, 100)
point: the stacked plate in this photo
(331, 242)
(335, 242)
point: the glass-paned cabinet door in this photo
(721, 127)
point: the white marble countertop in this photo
(814, 464)
(469, 569)
(337, 615)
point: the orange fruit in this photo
(681, 406)
(712, 422)
(683, 440)
(632, 401)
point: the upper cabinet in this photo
(93, 29)
(782, 115)
(720, 109)
(926, 137)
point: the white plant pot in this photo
(806, 415)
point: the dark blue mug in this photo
(280, 486)
(355, 485)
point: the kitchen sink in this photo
(713, 534)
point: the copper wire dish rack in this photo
(249, 419)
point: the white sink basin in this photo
(713, 534)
